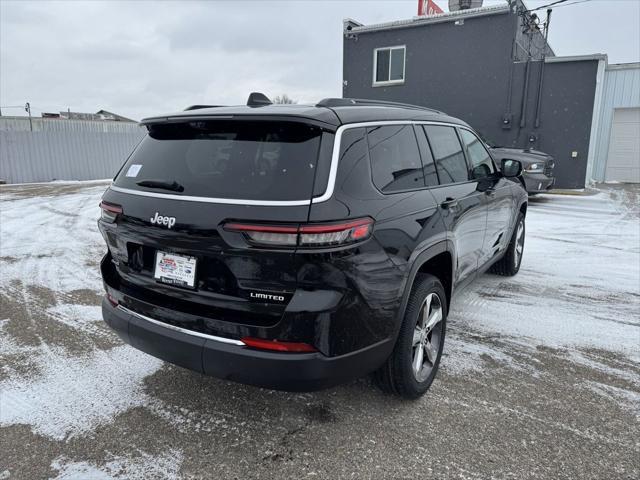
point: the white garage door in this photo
(623, 162)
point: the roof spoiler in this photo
(198, 107)
(257, 99)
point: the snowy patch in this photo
(626, 398)
(165, 466)
(74, 395)
(579, 284)
(462, 356)
(8, 346)
(87, 318)
(51, 240)
(616, 371)
(77, 315)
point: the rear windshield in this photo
(226, 159)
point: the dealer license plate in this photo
(175, 269)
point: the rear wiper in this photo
(174, 186)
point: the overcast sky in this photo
(143, 58)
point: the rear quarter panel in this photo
(370, 278)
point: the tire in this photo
(510, 263)
(398, 375)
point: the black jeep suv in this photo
(296, 247)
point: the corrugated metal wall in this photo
(621, 90)
(64, 149)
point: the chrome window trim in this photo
(331, 183)
(230, 341)
(229, 201)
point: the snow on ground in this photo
(48, 240)
(66, 376)
(53, 242)
(579, 283)
(75, 395)
(162, 467)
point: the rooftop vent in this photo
(455, 5)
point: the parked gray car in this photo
(537, 167)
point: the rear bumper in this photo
(538, 182)
(230, 360)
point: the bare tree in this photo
(284, 99)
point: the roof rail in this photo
(352, 102)
(198, 107)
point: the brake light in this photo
(112, 300)
(278, 346)
(109, 211)
(305, 235)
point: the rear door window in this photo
(428, 164)
(395, 159)
(481, 162)
(448, 154)
(250, 160)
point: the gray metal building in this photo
(617, 137)
(473, 64)
(45, 149)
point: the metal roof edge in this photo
(438, 18)
(350, 21)
(577, 58)
(623, 66)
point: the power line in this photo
(557, 3)
(545, 6)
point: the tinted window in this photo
(396, 71)
(382, 65)
(481, 163)
(447, 151)
(395, 160)
(236, 160)
(354, 167)
(389, 64)
(428, 165)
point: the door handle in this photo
(449, 202)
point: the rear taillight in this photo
(109, 211)
(112, 300)
(305, 235)
(277, 345)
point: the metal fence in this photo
(52, 149)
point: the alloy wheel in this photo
(519, 244)
(426, 337)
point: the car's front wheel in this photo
(414, 362)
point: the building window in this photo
(388, 65)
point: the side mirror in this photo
(481, 171)
(511, 168)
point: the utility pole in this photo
(27, 109)
(528, 23)
(544, 56)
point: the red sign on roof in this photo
(428, 7)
